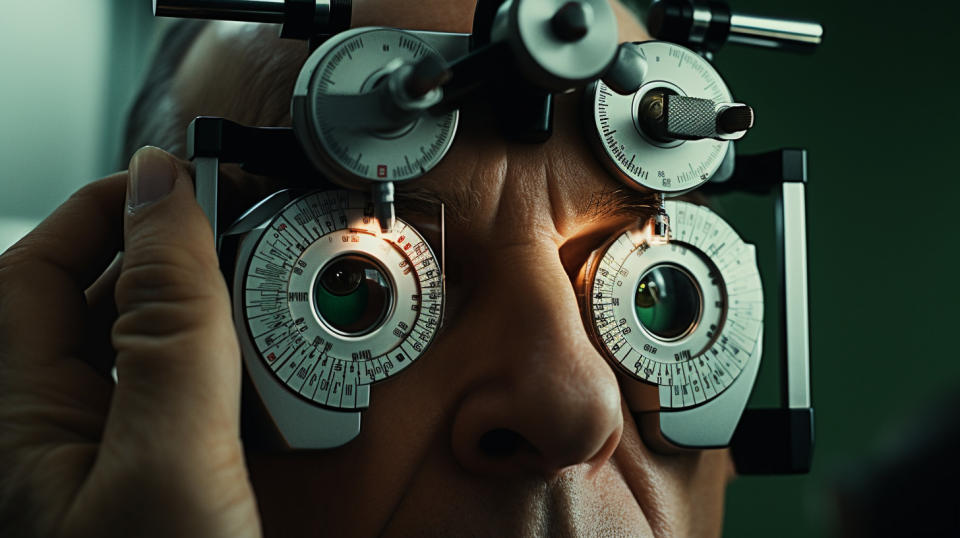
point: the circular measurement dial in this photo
(331, 303)
(687, 314)
(353, 63)
(640, 160)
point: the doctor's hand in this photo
(157, 454)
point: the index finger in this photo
(44, 275)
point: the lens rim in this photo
(700, 307)
(384, 274)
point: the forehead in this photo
(245, 73)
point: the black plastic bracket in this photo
(525, 112)
(774, 441)
(672, 20)
(780, 440)
(762, 173)
(303, 19)
(269, 151)
(261, 150)
(298, 19)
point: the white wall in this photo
(53, 67)
(67, 71)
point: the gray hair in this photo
(155, 118)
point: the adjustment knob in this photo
(556, 45)
(641, 136)
(667, 116)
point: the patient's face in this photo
(513, 423)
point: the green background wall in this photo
(876, 108)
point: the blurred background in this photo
(872, 106)
(70, 70)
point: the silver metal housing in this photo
(315, 419)
(703, 379)
(301, 424)
(356, 158)
(546, 60)
(626, 150)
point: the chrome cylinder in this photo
(775, 33)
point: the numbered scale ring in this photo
(686, 316)
(352, 63)
(625, 146)
(332, 304)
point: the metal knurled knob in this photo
(677, 117)
(689, 118)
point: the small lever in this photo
(667, 116)
(405, 93)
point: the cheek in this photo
(681, 494)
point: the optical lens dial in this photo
(332, 304)
(672, 134)
(686, 316)
(347, 120)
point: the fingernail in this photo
(151, 177)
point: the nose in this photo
(542, 398)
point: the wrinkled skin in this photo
(158, 453)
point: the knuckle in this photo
(163, 290)
(166, 272)
(155, 320)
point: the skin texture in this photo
(79, 456)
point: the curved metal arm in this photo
(707, 26)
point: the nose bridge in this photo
(537, 299)
(547, 399)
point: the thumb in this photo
(178, 361)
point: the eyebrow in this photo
(618, 202)
(600, 205)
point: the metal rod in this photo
(207, 182)
(775, 33)
(269, 11)
(796, 329)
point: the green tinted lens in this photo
(352, 295)
(667, 302)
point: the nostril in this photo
(500, 443)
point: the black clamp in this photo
(780, 440)
(310, 19)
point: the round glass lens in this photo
(352, 295)
(668, 302)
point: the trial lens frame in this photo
(766, 441)
(778, 440)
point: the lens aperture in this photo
(352, 295)
(668, 302)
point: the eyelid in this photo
(575, 250)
